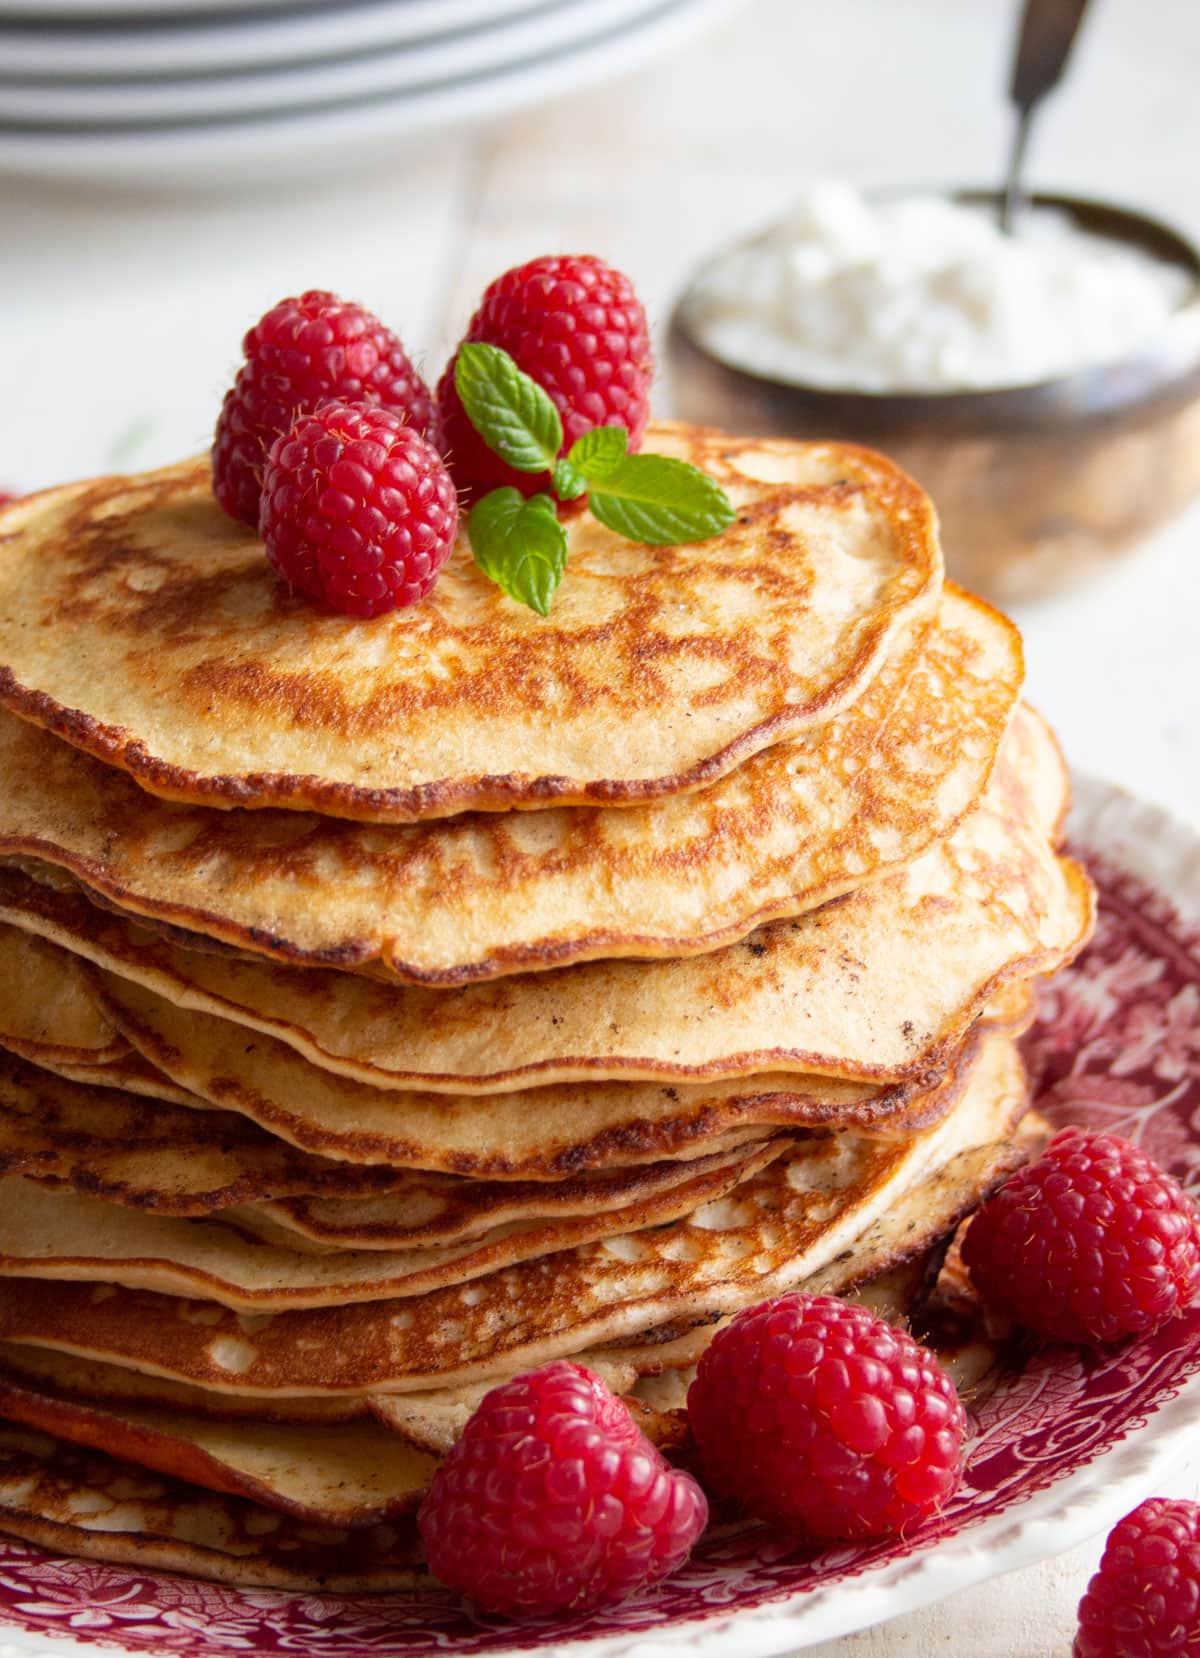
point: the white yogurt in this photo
(922, 294)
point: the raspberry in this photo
(552, 1500)
(1091, 1243)
(821, 1418)
(306, 351)
(358, 509)
(577, 327)
(1144, 1602)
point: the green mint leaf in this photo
(568, 481)
(597, 452)
(657, 499)
(511, 412)
(520, 544)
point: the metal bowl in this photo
(1036, 486)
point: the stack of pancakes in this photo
(389, 1007)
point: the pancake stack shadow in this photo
(388, 1008)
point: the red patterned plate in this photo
(1058, 1452)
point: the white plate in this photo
(101, 11)
(481, 52)
(191, 44)
(271, 147)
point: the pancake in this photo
(441, 1209)
(387, 1222)
(61, 1235)
(879, 985)
(531, 1134)
(351, 1474)
(102, 1143)
(91, 1382)
(151, 1155)
(141, 624)
(489, 894)
(779, 1229)
(130, 1073)
(47, 1011)
(82, 1503)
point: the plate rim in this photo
(177, 101)
(271, 146)
(135, 14)
(184, 50)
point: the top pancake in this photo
(142, 625)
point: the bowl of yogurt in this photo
(1044, 387)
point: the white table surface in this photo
(120, 316)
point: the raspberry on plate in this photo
(358, 509)
(306, 351)
(577, 327)
(1144, 1602)
(553, 1500)
(819, 1417)
(1092, 1243)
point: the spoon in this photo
(1048, 30)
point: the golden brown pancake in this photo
(92, 1382)
(141, 624)
(489, 894)
(60, 1235)
(83, 1503)
(350, 1474)
(529, 1134)
(47, 1010)
(102, 1143)
(130, 1074)
(778, 1229)
(876, 985)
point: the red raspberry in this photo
(358, 509)
(577, 327)
(1091, 1243)
(307, 351)
(821, 1418)
(553, 1500)
(1144, 1602)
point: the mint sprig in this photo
(518, 542)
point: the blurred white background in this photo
(121, 314)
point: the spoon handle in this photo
(1048, 30)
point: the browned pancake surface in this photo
(81, 1502)
(876, 985)
(792, 1220)
(490, 893)
(143, 625)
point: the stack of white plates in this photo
(119, 88)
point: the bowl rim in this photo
(1163, 373)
